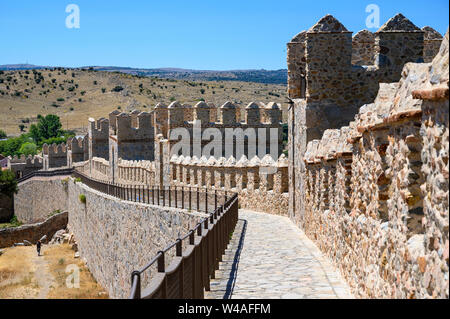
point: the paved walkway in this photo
(269, 257)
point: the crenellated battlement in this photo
(132, 135)
(385, 177)
(55, 155)
(333, 73)
(24, 165)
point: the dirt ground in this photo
(24, 274)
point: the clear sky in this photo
(197, 34)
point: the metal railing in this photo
(56, 172)
(191, 198)
(190, 270)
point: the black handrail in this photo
(208, 239)
(216, 235)
(40, 173)
(169, 196)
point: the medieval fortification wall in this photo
(373, 194)
(115, 237)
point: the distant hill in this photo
(77, 94)
(257, 76)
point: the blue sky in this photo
(197, 34)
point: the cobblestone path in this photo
(269, 257)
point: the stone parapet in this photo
(376, 191)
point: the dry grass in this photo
(20, 274)
(59, 257)
(16, 273)
(138, 93)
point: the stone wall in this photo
(338, 79)
(200, 134)
(38, 197)
(116, 237)
(363, 48)
(432, 43)
(133, 136)
(55, 155)
(376, 192)
(33, 232)
(262, 184)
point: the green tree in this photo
(8, 183)
(28, 149)
(47, 127)
(2, 134)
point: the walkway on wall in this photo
(269, 257)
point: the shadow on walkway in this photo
(234, 267)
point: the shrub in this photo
(118, 88)
(14, 222)
(103, 90)
(60, 99)
(2, 134)
(82, 198)
(8, 183)
(28, 149)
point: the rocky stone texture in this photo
(398, 23)
(116, 237)
(376, 192)
(328, 24)
(363, 48)
(432, 43)
(33, 232)
(40, 196)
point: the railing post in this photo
(164, 195)
(148, 195)
(198, 200)
(170, 197)
(192, 238)
(176, 197)
(190, 198)
(162, 269)
(179, 248)
(215, 199)
(182, 197)
(206, 200)
(179, 253)
(137, 275)
(161, 262)
(158, 196)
